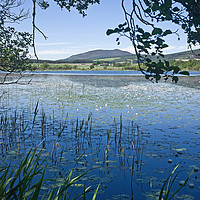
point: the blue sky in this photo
(69, 33)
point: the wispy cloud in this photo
(53, 44)
(55, 52)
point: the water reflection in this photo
(125, 128)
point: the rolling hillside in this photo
(99, 54)
(117, 55)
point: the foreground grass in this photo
(20, 183)
(27, 180)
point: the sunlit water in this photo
(134, 127)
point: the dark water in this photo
(102, 73)
(133, 128)
(92, 73)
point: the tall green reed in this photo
(26, 181)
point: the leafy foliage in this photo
(149, 42)
(14, 45)
(80, 5)
(14, 49)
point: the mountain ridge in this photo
(103, 54)
(98, 54)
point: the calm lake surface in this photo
(102, 73)
(123, 126)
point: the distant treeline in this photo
(60, 61)
(84, 66)
(190, 65)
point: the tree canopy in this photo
(142, 28)
(15, 45)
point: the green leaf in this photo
(140, 30)
(159, 41)
(164, 46)
(166, 63)
(122, 25)
(146, 35)
(127, 29)
(175, 79)
(148, 60)
(155, 7)
(182, 185)
(39, 185)
(157, 77)
(148, 10)
(175, 69)
(157, 31)
(167, 32)
(184, 73)
(160, 54)
(140, 47)
(147, 76)
(109, 32)
(95, 194)
(116, 30)
(184, 26)
(166, 182)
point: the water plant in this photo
(169, 182)
(21, 182)
(123, 146)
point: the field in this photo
(111, 64)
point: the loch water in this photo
(124, 128)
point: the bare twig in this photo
(35, 28)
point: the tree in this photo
(13, 52)
(14, 45)
(149, 45)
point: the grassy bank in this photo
(84, 66)
(189, 65)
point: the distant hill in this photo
(117, 55)
(98, 54)
(185, 55)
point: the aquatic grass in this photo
(35, 113)
(130, 148)
(22, 184)
(167, 186)
(16, 184)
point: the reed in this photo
(167, 186)
(35, 113)
(22, 184)
(81, 134)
